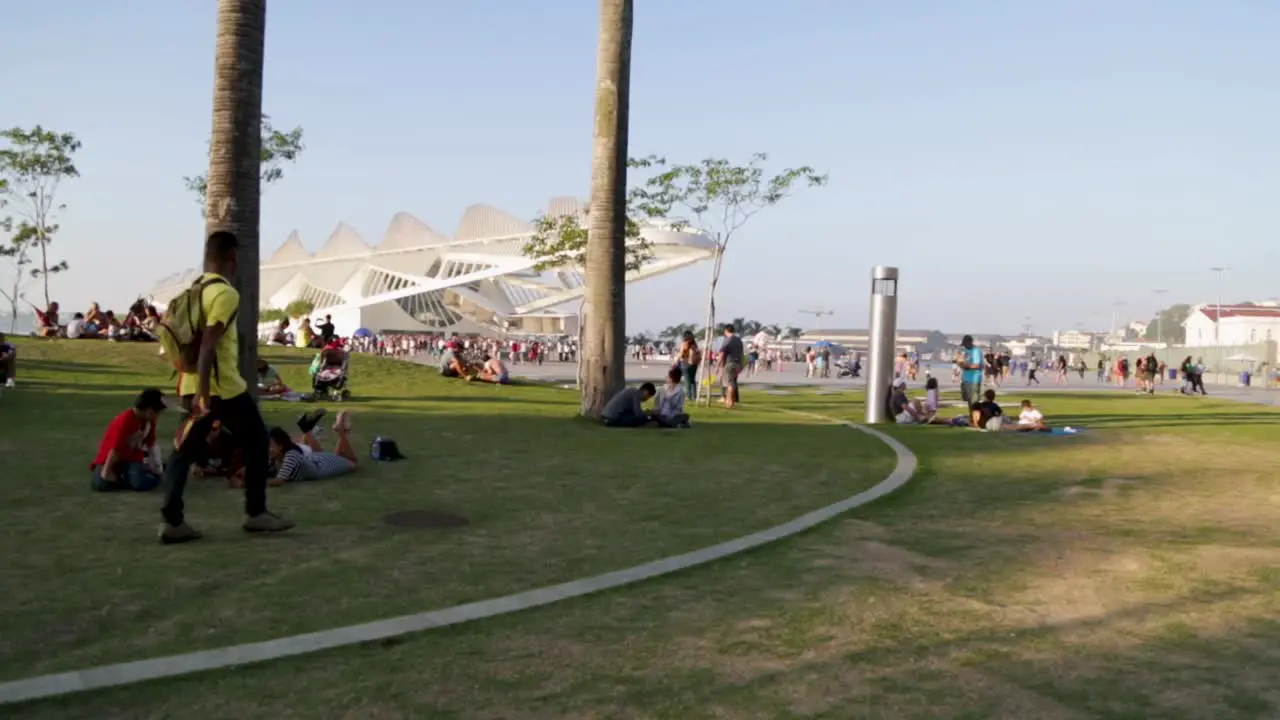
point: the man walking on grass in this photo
(971, 365)
(731, 353)
(217, 392)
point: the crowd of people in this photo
(224, 434)
(998, 368)
(140, 323)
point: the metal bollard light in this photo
(883, 338)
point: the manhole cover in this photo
(424, 519)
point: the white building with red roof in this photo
(1209, 325)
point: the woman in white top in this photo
(1031, 419)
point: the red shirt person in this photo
(124, 459)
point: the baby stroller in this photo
(329, 380)
(846, 369)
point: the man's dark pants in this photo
(970, 392)
(9, 367)
(627, 419)
(241, 418)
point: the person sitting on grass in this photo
(47, 321)
(219, 458)
(1030, 419)
(451, 364)
(906, 411)
(931, 402)
(8, 362)
(269, 381)
(293, 464)
(987, 414)
(280, 336)
(94, 320)
(669, 407)
(79, 329)
(124, 460)
(626, 409)
(494, 371)
(272, 387)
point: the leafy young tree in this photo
(233, 190)
(721, 197)
(272, 315)
(676, 332)
(17, 254)
(561, 242)
(278, 147)
(32, 167)
(299, 308)
(1169, 324)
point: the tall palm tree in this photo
(604, 339)
(235, 154)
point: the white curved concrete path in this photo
(106, 676)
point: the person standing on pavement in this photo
(217, 393)
(971, 376)
(731, 353)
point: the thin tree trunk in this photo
(42, 221)
(704, 370)
(604, 338)
(235, 155)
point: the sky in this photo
(1044, 163)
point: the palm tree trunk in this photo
(235, 155)
(604, 338)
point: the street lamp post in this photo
(1115, 308)
(1160, 321)
(1218, 270)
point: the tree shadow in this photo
(27, 365)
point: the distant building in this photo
(1076, 339)
(1019, 347)
(1138, 328)
(416, 279)
(978, 339)
(907, 340)
(1234, 325)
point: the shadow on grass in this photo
(765, 636)
(59, 366)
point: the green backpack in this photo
(183, 325)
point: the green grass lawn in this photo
(1129, 572)
(550, 498)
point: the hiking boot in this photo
(266, 522)
(308, 420)
(175, 534)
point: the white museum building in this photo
(416, 279)
(1238, 324)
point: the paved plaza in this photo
(793, 375)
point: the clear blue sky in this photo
(1014, 158)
